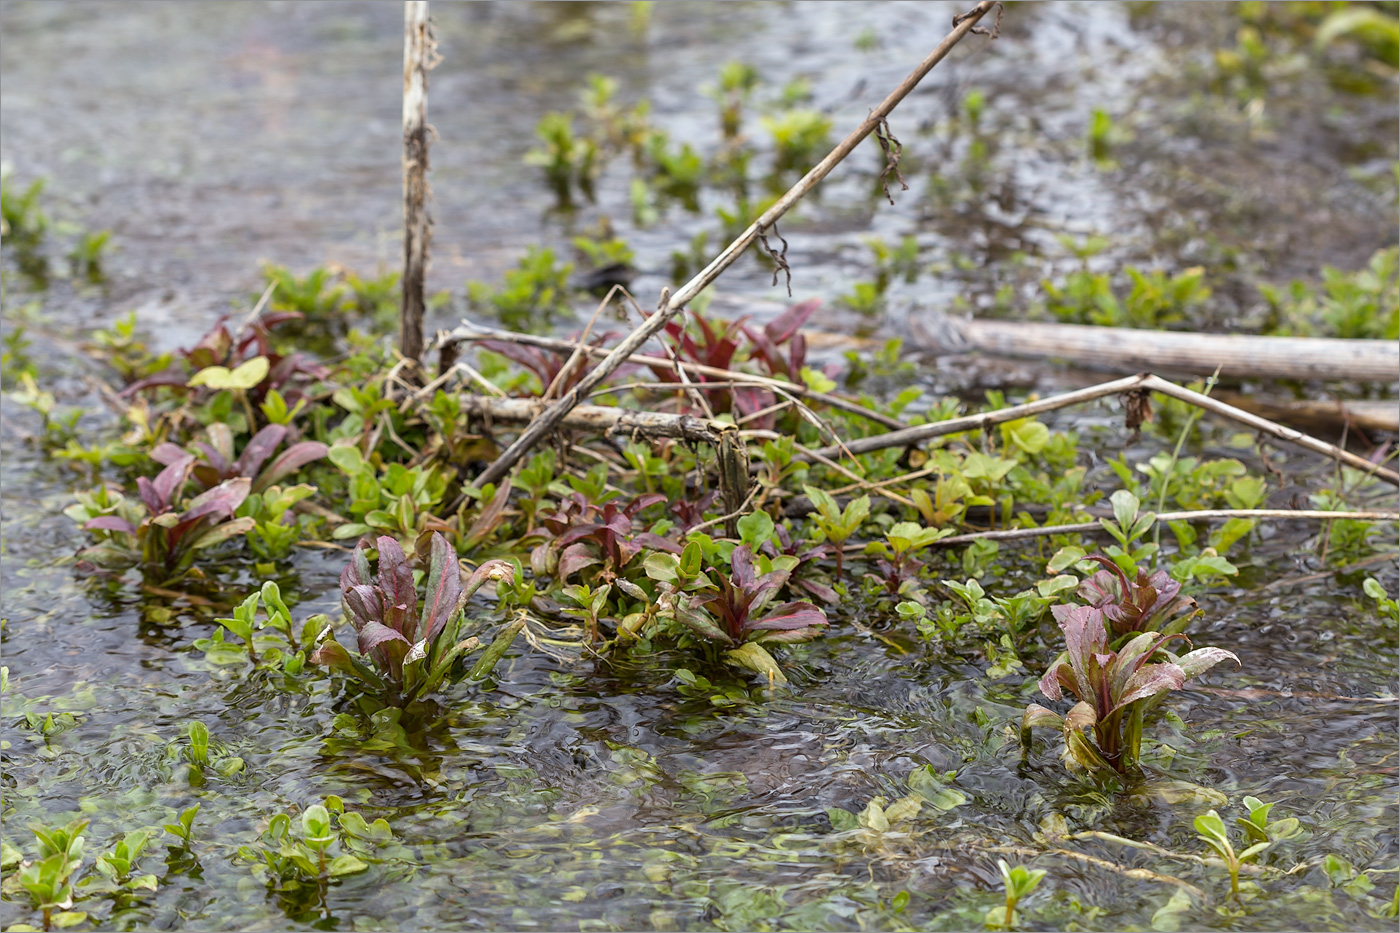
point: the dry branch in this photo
(1013, 534)
(1121, 349)
(469, 331)
(1142, 381)
(604, 419)
(418, 50)
(551, 417)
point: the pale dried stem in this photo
(1012, 534)
(987, 419)
(474, 333)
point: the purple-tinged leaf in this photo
(489, 517)
(702, 625)
(741, 563)
(820, 590)
(220, 533)
(641, 502)
(158, 494)
(1084, 635)
(1037, 715)
(785, 325)
(1059, 675)
(259, 447)
(396, 580)
(221, 501)
(221, 436)
(375, 634)
(491, 570)
(444, 588)
(110, 523)
(357, 572)
(1203, 659)
(364, 602)
(166, 453)
(331, 653)
(574, 558)
(291, 460)
(173, 377)
(789, 616)
(1148, 681)
(1081, 716)
(656, 542)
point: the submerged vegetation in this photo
(824, 670)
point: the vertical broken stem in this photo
(417, 55)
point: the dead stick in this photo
(418, 45)
(621, 422)
(550, 418)
(1012, 534)
(987, 419)
(472, 332)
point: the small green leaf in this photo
(241, 378)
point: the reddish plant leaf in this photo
(259, 447)
(291, 460)
(444, 588)
(110, 523)
(786, 325)
(789, 616)
(157, 495)
(364, 602)
(396, 581)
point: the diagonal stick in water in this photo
(550, 417)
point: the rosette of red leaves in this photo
(1113, 687)
(406, 644)
(1152, 604)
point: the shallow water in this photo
(601, 795)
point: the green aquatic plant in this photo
(183, 827)
(737, 82)
(269, 638)
(1210, 828)
(569, 161)
(836, 524)
(1018, 883)
(395, 499)
(85, 256)
(328, 843)
(24, 221)
(202, 757)
(406, 652)
(1113, 688)
(896, 562)
(531, 295)
(48, 879)
(799, 137)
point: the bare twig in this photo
(550, 418)
(472, 332)
(1012, 534)
(923, 432)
